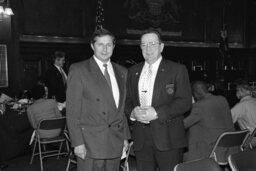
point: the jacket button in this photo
(104, 113)
(109, 125)
(97, 100)
(118, 126)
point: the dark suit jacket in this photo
(92, 116)
(209, 118)
(171, 99)
(55, 84)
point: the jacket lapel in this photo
(136, 82)
(102, 84)
(121, 83)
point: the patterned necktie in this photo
(145, 94)
(106, 75)
(63, 76)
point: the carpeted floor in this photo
(50, 164)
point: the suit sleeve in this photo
(193, 117)
(73, 105)
(182, 98)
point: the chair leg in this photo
(40, 156)
(33, 153)
(60, 150)
(67, 168)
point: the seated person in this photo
(210, 116)
(244, 112)
(42, 108)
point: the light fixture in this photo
(5, 11)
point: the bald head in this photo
(199, 89)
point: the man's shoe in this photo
(3, 166)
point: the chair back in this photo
(243, 160)
(248, 142)
(206, 164)
(52, 123)
(228, 140)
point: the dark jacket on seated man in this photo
(42, 108)
(210, 116)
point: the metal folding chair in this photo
(71, 155)
(125, 164)
(227, 141)
(206, 164)
(244, 160)
(249, 144)
(49, 124)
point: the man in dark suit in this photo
(210, 116)
(55, 78)
(158, 95)
(95, 107)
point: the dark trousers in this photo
(150, 158)
(89, 164)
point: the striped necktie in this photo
(145, 94)
(106, 75)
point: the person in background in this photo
(55, 78)
(210, 116)
(158, 95)
(244, 112)
(42, 108)
(96, 121)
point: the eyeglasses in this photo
(149, 44)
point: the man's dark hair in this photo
(38, 92)
(154, 31)
(59, 54)
(100, 33)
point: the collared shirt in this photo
(114, 85)
(142, 79)
(61, 70)
(244, 113)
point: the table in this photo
(15, 134)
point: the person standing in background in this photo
(96, 90)
(158, 95)
(56, 78)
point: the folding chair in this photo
(248, 144)
(49, 124)
(125, 164)
(244, 160)
(227, 141)
(71, 155)
(205, 164)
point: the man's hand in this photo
(144, 114)
(80, 151)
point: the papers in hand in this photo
(124, 154)
(61, 106)
(4, 98)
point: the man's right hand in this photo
(80, 151)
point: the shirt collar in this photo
(246, 98)
(100, 63)
(155, 65)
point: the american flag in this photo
(99, 15)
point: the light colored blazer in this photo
(209, 118)
(43, 109)
(92, 116)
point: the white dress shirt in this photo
(61, 70)
(244, 113)
(114, 85)
(147, 87)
